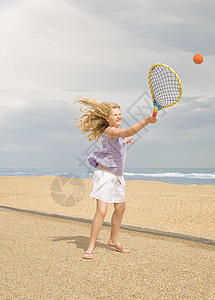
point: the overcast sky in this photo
(53, 51)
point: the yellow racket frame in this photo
(179, 81)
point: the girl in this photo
(103, 119)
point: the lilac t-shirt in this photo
(112, 156)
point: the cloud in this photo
(54, 51)
(166, 22)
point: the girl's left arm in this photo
(128, 140)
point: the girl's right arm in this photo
(113, 132)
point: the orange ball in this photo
(198, 59)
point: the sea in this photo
(185, 176)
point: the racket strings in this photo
(165, 86)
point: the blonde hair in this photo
(94, 118)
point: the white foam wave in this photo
(174, 175)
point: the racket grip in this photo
(154, 113)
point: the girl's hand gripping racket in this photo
(165, 86)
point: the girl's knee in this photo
(102, 208)
(101, 212)
(120, 207)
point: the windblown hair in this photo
(94, 118)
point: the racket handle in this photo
(155, 113)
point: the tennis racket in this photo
(165, 86)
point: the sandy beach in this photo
(41, 257)
(161, 206)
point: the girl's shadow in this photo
(80, 241)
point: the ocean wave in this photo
(174, 175)
(14, 173)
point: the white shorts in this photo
(108, 187)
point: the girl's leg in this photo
(98, 220)
(115, 223)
